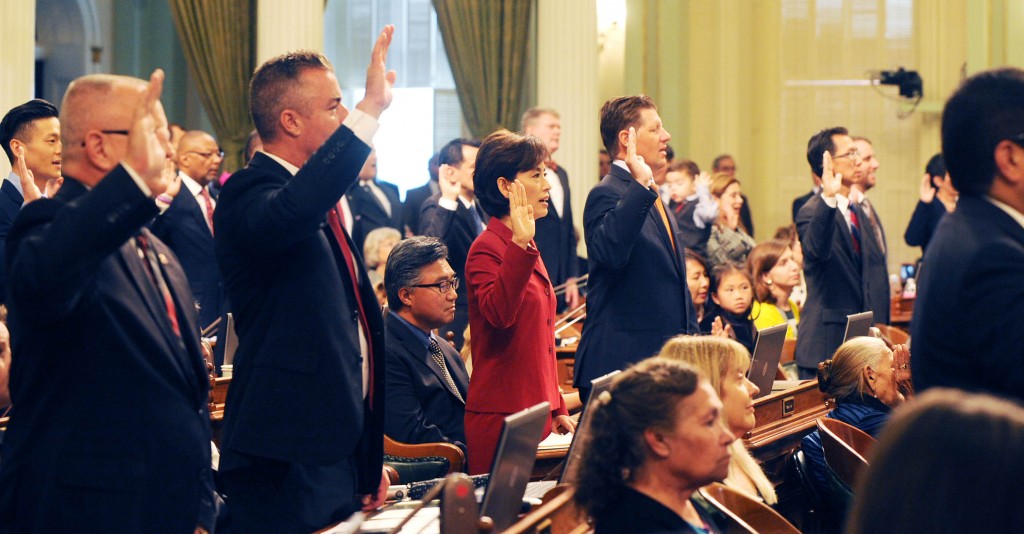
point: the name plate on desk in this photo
(786, 412)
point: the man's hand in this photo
(563, 424)
(830, 183)
(379, 80)
(521, 214)
(372, 502)
(572, 293)
(28, 184)
(927, 192)
(173, 179)
(149, 141)
(640, 170)
(448, 182)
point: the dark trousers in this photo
(280, 497)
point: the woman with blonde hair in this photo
(725, 364)
(867, 381)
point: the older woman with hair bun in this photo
(867, 381)
(511, 301)
(656, 437)
(725, 364)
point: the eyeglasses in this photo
(443, 286)
(853, 154)
(111, 132)
(207, 155)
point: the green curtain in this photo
(487, 45)
(217, 37)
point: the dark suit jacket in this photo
(111, 426)
(877, 270)
(458, 230)
(183, 228)
(799, 202)
(970, 303)
(836, 282)
(420, 406)
(10, 204)
(637, 297)
(297, 392)
(556, 238)
(923, 223)
(368, 213)
(414, 199)
(693, 238)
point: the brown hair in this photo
(619, 114)
(684, 165)
(274, 85)
(761, 260)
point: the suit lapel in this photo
(418, 353)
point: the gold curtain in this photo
(217, 38)
(487, 44)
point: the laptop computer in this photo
(765, 361)
(572, 458)
(513, 463)
(858, 325)
(230, 341)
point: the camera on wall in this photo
(909, 81)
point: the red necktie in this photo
(854, 230)
(334, 218)
(156, 276)
(209, 207)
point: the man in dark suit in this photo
(454, 216)
(415, 197)
(187, 224)
(30, 136)
(556, 235)
(878, 274)
(970, 299)
(112, 430)
(637, 296)
(304, 417)
(375, 204)
(426, 380)
(839, 250)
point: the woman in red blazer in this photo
(511, 301)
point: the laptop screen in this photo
(858, 324)
(597, 386)
(765, 361)
(513, 464)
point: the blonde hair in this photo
(843, 374)
(714, 357)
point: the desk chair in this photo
(846, 451)
(745, 513)
(557, 515)
(422, 461)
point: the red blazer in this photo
(511, 320)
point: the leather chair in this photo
(846, 450)
(556, 515)
(423, 461)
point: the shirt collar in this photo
(1017, 216)
(192, 185)
(423, 337)
(292, 169)
(16, 180)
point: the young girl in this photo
(733, 294)
(775, 273)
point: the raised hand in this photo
(379, 80)
(53, 185)
(520, 213)
(927, 192)
(901, 369)
(640, 170)
(28, 185)
(702, 179)
(830, 183)
(149, 141)
(722, 329)
(448, 182)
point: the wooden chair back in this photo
(747, 514)
(556, 515)
(896, 336)
(450, 452)
(788, 351)
(846, 447)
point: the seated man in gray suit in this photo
(426, 379)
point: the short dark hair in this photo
(685, 165)
(503, 154)
(936, 167)
(986, 109)
(272, 84)
(19, 118)
(619, 114)
(433, 164)
(820, 143)
(405, 262)
(451, 153)
(718, 161)
(669, 153)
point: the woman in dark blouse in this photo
(938, 197)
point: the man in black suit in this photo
(304, 417)
(638, 297)
(375, 204)
(187, 224)
(427, 381)
(454, 216)
(556, 235)
(30, 136)
(840, 250)
(878, 274)
(111, 430)
(415, 197)
(970, 299)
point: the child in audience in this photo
(691, 203)
(698, 282)
(775, 273)
(733, 294)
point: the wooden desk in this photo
(901, 311)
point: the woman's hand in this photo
(927, 192)
(901, 369)
(563, 424)
(718, 330)
(521, 214)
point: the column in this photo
(283, 26)
(17, 70)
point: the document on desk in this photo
(555, 441)
(426, 521)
